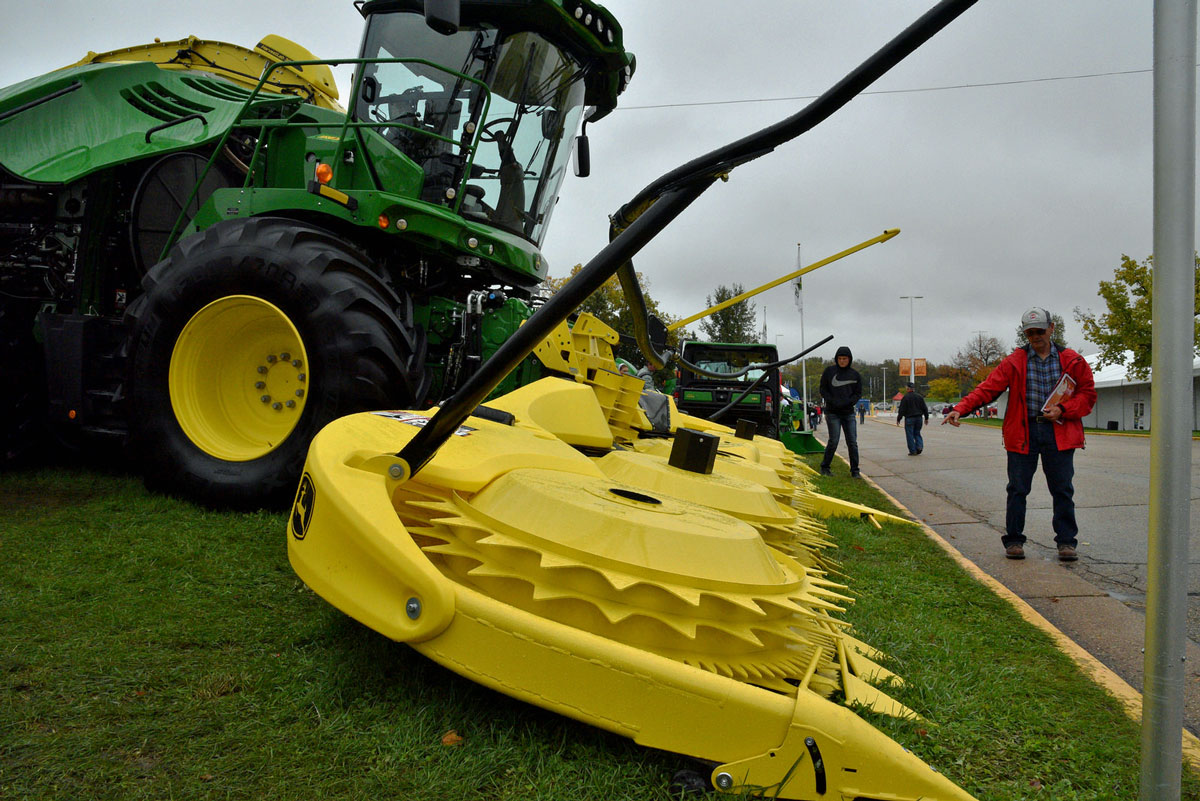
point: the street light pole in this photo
(912, 355)
(803, 366)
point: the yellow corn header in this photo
(555, 550)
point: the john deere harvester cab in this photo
(203, 253)
(734, 386)
(485, 112)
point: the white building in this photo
(1123, 403)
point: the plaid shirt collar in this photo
(1041, 376)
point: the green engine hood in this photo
(63, 125)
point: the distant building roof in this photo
(1116, 375)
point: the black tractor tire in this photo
(363, 352)
(23, 379)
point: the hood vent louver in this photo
(154, 100)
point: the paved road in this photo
(957, 487)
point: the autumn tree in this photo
(977, 358)
(609, 305)
(1059, 337)
(1126, 324)
(738, 323)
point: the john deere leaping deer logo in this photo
(302, 509)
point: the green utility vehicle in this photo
(204, 256)
(726, 400)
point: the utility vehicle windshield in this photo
(434, 104)
(716, 358)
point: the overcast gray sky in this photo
(1014, 180)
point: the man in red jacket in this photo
(1031, 374)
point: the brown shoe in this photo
(1067, 554)
(1014, 551)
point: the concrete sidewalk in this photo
(956, 487)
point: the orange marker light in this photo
(71, 414)
(384, 222)
(324, 173)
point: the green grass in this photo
(156, 650)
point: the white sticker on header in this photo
(419, 420)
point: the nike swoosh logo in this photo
(837, 383)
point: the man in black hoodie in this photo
(841, 387)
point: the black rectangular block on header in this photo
(746, 429)
(694, 450)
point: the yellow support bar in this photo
(885, 236)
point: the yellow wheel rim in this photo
(238, 378)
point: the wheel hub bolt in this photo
(295, 362)
(260, 384)
(302, 376)
(262, 369)
(285, 357)
(265, 398)
(299, 393)
(290, 404)
(271, 359)
(276, 405)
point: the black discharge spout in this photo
(644, 217)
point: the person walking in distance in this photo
(1051, 390)
(913, 412)
(841, 387)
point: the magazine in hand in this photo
(1062, 391)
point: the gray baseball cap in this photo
(1036, 317)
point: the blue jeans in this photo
(835, 423)
(1059, 469)
(912, 433)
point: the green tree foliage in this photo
(943, 389)
(1059, 337)
(738, 323)
(608, 304)
(1126, 324)
(813, 365)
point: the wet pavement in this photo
(956, 486)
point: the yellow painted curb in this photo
(1130, 698)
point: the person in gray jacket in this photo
(912, 410)
(841, 387)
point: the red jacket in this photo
(1010, 375)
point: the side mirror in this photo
(583, 157)
(370, 89)
(551, 124)
(442, 15)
